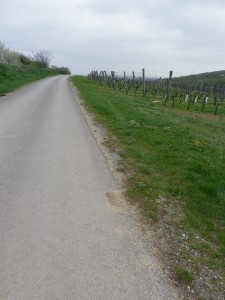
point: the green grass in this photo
(171, 154)
(184, 275)
(197, 107)
(12, 78)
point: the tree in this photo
(43, 58)
(25, 60)
(8, 56)
(2, 53)
(62, 70)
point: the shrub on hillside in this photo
(4, 70)
(8, 56)
(42, 58)
(62, 70)
(25, 60)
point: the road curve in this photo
(59, 236)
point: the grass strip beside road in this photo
(176, 162)
(12, 77)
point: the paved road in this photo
(59, 236)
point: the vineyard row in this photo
(165, 90)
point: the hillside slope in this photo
(12, 77)
(209, 79)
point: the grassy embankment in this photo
(176, 161)
(12, 77)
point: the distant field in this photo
(12, 77)
(176, 164)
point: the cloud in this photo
(85, 34)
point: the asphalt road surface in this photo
(60, 238)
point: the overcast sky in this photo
(186, 36)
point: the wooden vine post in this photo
(134, 84)
(106, 77)
(190, 98)
(143, 82)
(168, 88)
(221, 103)
(113, 80)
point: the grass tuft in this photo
(184, 275)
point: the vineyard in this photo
(174, 161)
(190, 95)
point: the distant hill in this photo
(209, 79)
